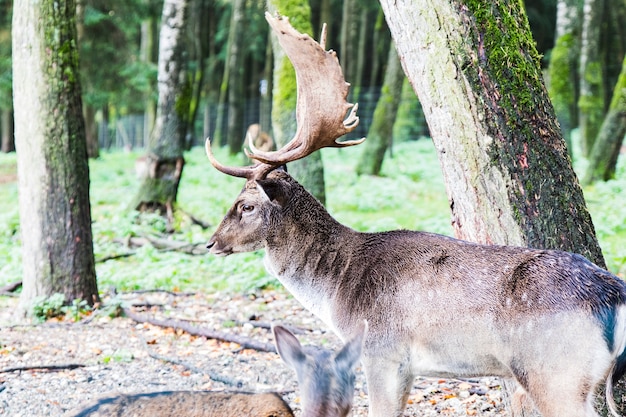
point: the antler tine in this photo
(322, 92)
(323, 36)
(249, 172)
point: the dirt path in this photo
(122, 356)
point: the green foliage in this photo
(44, 308)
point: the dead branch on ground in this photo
(60, 367)
(244, 342)
(165, 245)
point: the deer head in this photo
(321, 104)
(326, 378)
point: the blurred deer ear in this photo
(272, 190)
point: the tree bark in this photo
(591, 104)
(308, 171)
(164, 159)
(606, 148)
(475, 69)
(55, 219)
(379, 135)
(563, 67)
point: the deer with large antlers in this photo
(436, 306)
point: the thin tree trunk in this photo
(7, 143)
(91, 132)
(308, 171)
(591, 104)
(505, 164)
(348, 56)
(236, 96)
(379, 135)
(164, 159)
(55, 219)
(563, 68)
(606, 148)
(265, 118)
(147, 55)
(220, 121)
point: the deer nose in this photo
(210, 244)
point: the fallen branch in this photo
(165, 245)
(244, 342)
(153, 290)
(116, 256)
(204, 225)
(42, 367)
(9, 289)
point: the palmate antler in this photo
(321, 105)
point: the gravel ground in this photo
(103, 356)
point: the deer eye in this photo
(247, 208)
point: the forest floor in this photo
(47, 369)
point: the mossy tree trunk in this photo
(380, 133)
(308, 171)
(475, 69)
(164, 158)
(591, 105)
(606, 148)
(563, 68)
(55, 219)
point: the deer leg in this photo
(389, 383)
(556, 394)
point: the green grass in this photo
(410, 194)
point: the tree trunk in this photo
(164, 159)
(7, 143)
(591, 101)
(563, 68)
(235, 130)
(476, 72)
(308, 171)
(55, 219)
(606, 148)
(348, 52)
(379, 135)
(265, 116)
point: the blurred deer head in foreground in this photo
(435, 306)
(325, 378)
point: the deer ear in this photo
(288, 347)
(272, 190)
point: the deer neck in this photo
(308, 255)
